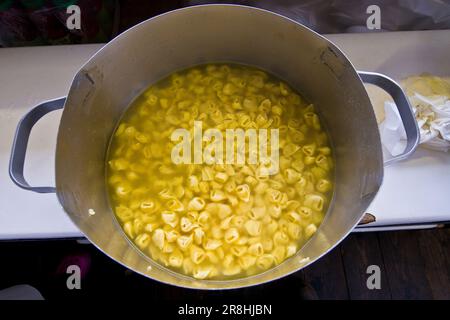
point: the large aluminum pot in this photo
(108, 82)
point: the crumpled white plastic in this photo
(433, 119)
(393, 135)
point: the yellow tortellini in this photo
(218, 220)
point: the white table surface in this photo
(415, 191)
(29, 76)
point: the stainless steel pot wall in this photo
(105, 86)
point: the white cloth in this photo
(433, 118)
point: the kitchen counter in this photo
(414, 193)
(29, 76)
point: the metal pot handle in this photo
(20, 143)
(403, 107)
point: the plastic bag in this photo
(433, 119)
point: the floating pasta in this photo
(184, 242)
(199, 235)
(171, 235)
(209, 218)
(175, 205)
(253, 227)
(257, 212)
(186, 224)
(256, 249)
(196, 204)
(247, 261)
(314, 201)
(310, 230)
(279, 254)
(176, 259)
(238, 251)
(231, 235)
(243, 192)
(212, 244)
(170, 218)
(265, 261)
(124, 213)
(217, 195)
(158, 238)
(323, 185)
(142, 241)
(197, 255)
(201, 272)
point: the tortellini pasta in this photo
(216, 220)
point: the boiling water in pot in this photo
(220, 171)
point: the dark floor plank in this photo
(18, 264)
(292, 287)
(416, 263)
(359, 251)
(434, 247)
(327, 277)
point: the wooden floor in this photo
(413, 264)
